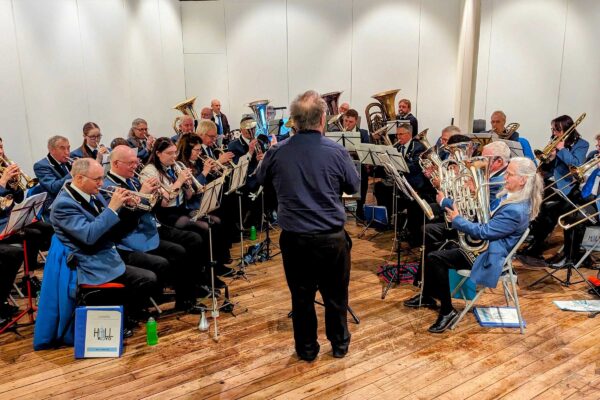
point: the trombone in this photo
(577, 172)
(23, 181)
(590, 218)
(550, 147)
(151, 198)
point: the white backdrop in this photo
(538, 60)
(245, 50)
(66, 62)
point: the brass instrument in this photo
(6, 202)
(580, 208)
(578, 173)
(186, 108)
(429, 160)
(23, 181)
(151, 198)
(196, 186)
(380, 115)
(544, 156)
(509, 130)
(333, 113)
(461, 151)
(170, 192)
(259, 108)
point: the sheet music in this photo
(239, 174)
(347, 139)
(24, 213)
(211, 199)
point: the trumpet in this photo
(71, 160)
(23, 181)
(590, 218)
(6, 202)
(196, 186)
(544, 156)
(170, 192)
(222, 170)
(151, 198)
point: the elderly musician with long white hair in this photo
(520, 203)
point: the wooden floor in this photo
(392, 356)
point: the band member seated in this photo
(596, 151)
(176, 189)
(142, 247)
(498, 123)
(410, 150)
(350, 125)
(189, 149)
(91, 147)
(314, 245)
(522, 196)
(207, 130)
(86, 225)
(139, 139)
(118, 142)
(37, 234)
(11, 258)
(447, 133)
(343, 108)
(206, 113)
(185, 127)
(53, 170)
(254, 148)
(570, 152)
(404, 107)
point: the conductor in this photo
(309, 173)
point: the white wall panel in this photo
(52, 68)
(203, 26)
(13, 123)
(483, 61)
(439, 37)
(580, 79)
(525, 56)
(319, 46)
(256, 54)
(385, 50)
(206, 79)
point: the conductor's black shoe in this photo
(308, 352)
(443, 322)
(426, 301)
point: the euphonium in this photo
(380, 114)
(23, 181)
(187, 108)
(461, 151)
(550, 147)
(478, 168)
(259, 108)
(429, 160)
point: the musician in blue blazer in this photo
(91, 146)
(523, 190)
(570, 152)
(86, 225)
(53, 170)
(351, 125)
(139, 138)
(184, 126)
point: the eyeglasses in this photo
(171, 153)
(129, 163)
(141, 129)
(212, 136)
(97, 180)
(96, 137)
(196, 150)
(553, 129)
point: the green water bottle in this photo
(252, 232)
(151, 333)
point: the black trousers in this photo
(168, 262)
(437, 283)
(11, 258)
(436, 234)
(574, 236)
(140, 284)
(544, 223)
(317, 262)
(38, 236)
(364, 186)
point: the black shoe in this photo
(219, 284)
(36, 285)
(127, 333)
(534, 249)
(208, 291)
(222, 270)
(340, 350)
(558, 257)
(309, 353)
(443, 322)
(560, 264)
(426, 301)
(7, 310)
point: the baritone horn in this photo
(382, 114)
(23, 181)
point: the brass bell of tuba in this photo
(186, 108)
(259, 108)
(381, 114)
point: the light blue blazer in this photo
(503, 231)
(566, 158)
(50, 179)
(87, 238)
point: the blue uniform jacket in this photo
(52, 177)
(503, 231)
(144, 237)
(566, 158)
(86, 236)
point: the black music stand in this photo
(346, 139)
(237, 180)
(21, 216)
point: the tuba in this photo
(334, 118)
(259, 108)
(186, 108)
(380, 114)
(544, 155)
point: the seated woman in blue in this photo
(521, 201)
(91, 147)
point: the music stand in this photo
(516, 150)
(482, 138)
(22, 215)
(346, 139)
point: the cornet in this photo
(23, 181)
(196, 186)
(170, 192)
(151, 198)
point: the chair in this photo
(509, 285)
